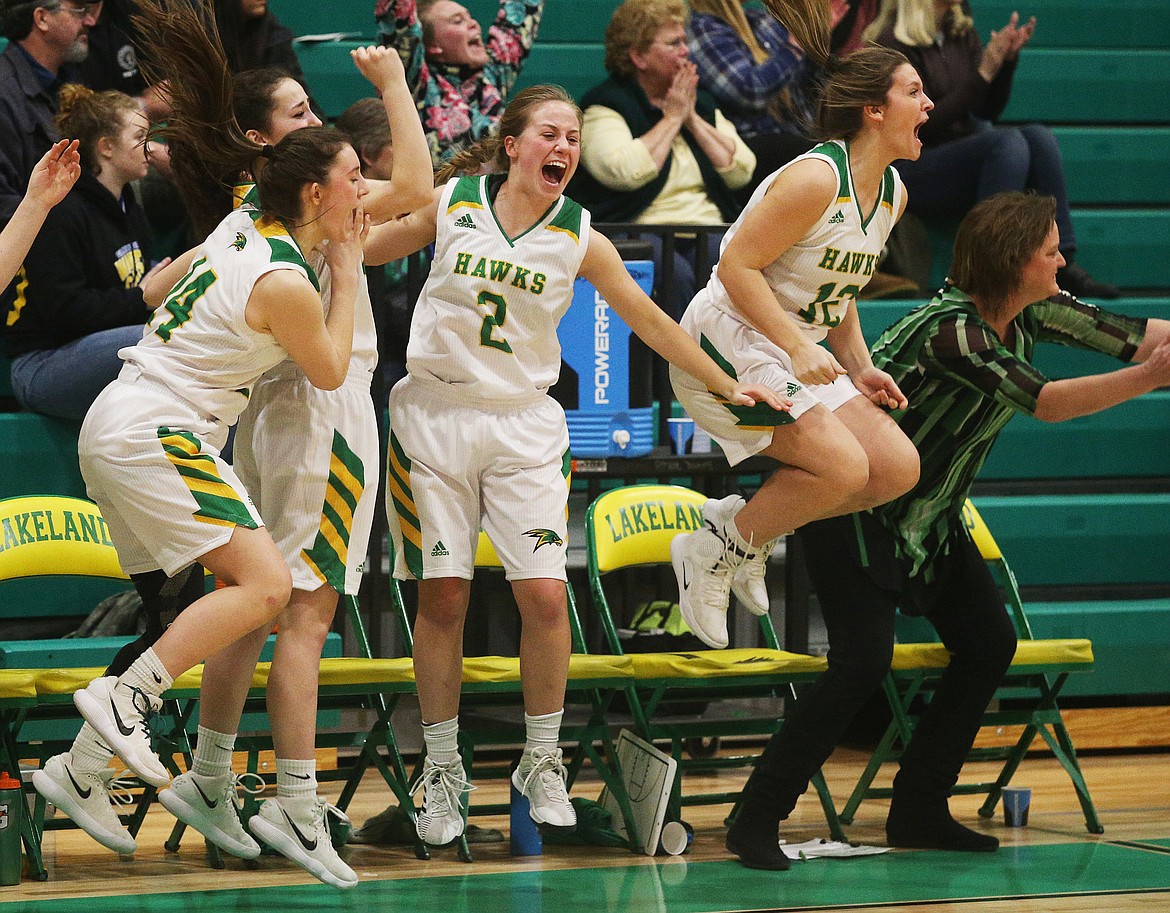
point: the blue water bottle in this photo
(523, 833)
(11, 809)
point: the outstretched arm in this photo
(1060, 400)
(52, 178)
(400, 238)
(604, 268)
(412, 180)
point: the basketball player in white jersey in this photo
(789, 274)
(308, 457)
(477, 442)
(149, 447)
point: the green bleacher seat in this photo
(347, 16)
(1128, 440)
(1083, 539)
(1082, 23)
(334, 82)
(576, 67)
(44, 449)
(1129, 247)
(1135, 155)
(1091, 87)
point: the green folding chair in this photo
(631, 528)
(1036, 676)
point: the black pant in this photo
(860, 583)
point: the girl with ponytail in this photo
(477, 442)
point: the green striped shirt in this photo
(964, 383)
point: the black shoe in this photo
(1077, 282)
(758, 847)
(931, 827)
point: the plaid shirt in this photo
(459, 105)
(964, 384)
(744, 89)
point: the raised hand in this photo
(380, 65)
(55, 174)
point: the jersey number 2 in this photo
(493, 321)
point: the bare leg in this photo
(296, 666)
(438, 646)
(545, 643)
(893, 459)
(258, 587)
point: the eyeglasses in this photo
(93, 8)
(673, 45)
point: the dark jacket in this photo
(950, 75)
(27, 110)
(623, 95)
(82, 271)
(112, 61)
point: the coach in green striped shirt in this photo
(964, 364)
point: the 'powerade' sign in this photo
(595, 343)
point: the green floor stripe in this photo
(675, 886)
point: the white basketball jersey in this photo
(198, 342)
(818, 278)
(486, 322)
(365, 333)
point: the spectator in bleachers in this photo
(112, 62)
(253, 38)
(82, 298)
(760, 78)
(967, 156)
(850, 20)
(964, 362)
(460, 84)
(44, 38)
(655, 149)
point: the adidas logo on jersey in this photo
(837, 218)
(464, 221)
(440, 550)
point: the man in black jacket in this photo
(44, 37)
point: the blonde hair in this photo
(731, 12)
(632, 27)
(90, 116)
(914, 22)
(490, 150)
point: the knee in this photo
(542, 603)
(445, 604)
(850, 472)
(897, 473)
(274, 589)
(1010, 156)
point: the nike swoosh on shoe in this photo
(203, 795)
(122, 727)
(310, 846)
(84, 793)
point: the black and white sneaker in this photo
(208, 804)
(119, 714)
(297, 829)
(86, 798)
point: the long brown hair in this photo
(854, 81)
(490, 150)
(207, 146)
(808, 22)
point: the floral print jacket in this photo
(459, 105)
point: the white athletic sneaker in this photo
(444, 787)
(705, 562)
(209, 805)
(85, 797)
(119, 715)
(749, 583)
(541, 777)
(296, 828)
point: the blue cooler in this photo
(605, 383)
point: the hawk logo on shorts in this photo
(544, 537)
(240, 241)
(837, 218)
